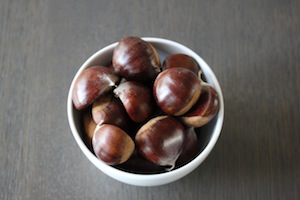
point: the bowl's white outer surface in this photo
(168, 46)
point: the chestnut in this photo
(136, 60)
(205, 109)
(160, 140)
(109, 110)
(91, 83)
(190, 147)
(181, 60)
(136, 98)
(176, 90)
(111, 144)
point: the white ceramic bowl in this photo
(209, 133)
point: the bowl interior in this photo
(207, 135)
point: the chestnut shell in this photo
(160, 140)
(176, 90)
(181, 60)
(136, 60)
(91, 84)
(112, 145)
(109, 110)
(205, 109)
(137, 100)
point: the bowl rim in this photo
(149, 179)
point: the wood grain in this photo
(252, 46)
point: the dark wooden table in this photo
(252, 46)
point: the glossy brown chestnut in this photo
(109, 110)
(136, 60)
(89, 128)
(91, 83)
(190, 147)
(136, 98)
(160, 140)
(205, 109)
(181, 60)
(176, 90)
(112, 145)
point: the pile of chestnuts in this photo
(141, 111)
